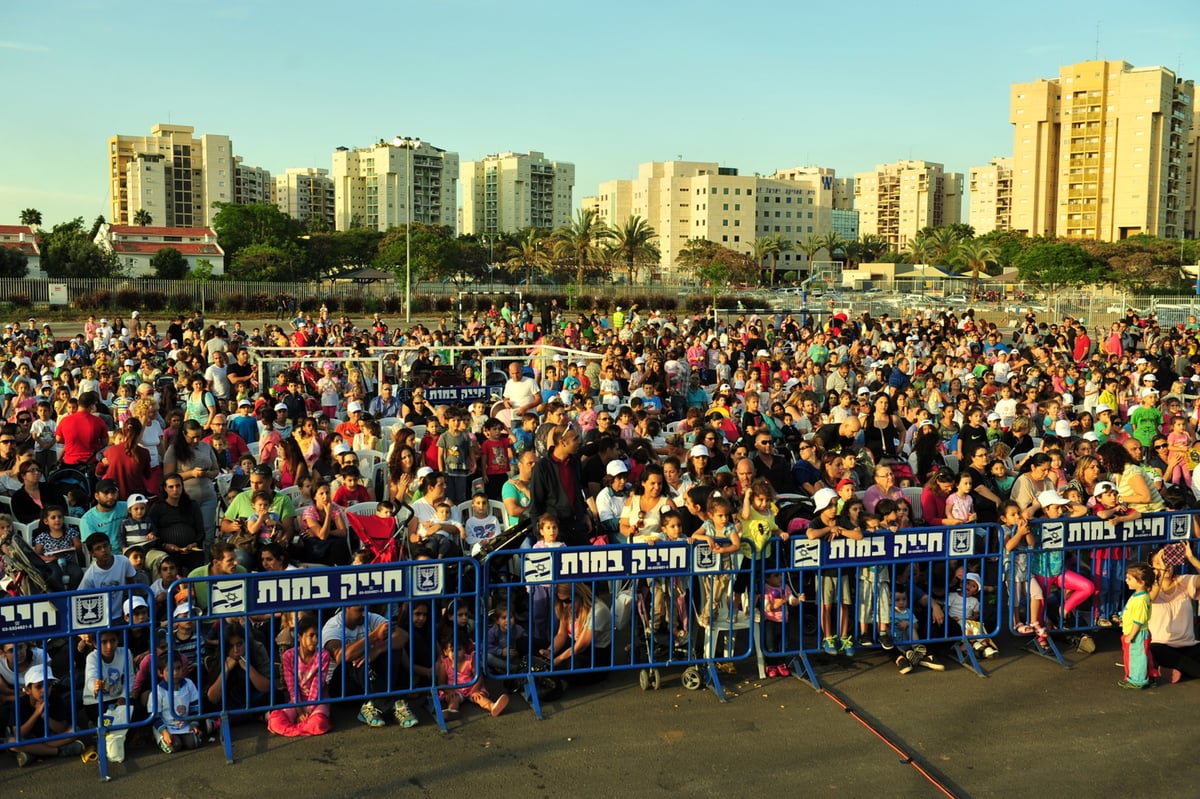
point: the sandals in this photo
(166, 747)
(1024, 629)
(90, 755)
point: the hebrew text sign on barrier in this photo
(908, 545)
(292, 590)
(58, 615)
(663, 560)
(1081, 532)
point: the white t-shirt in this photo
(521, 392)
(333, 629)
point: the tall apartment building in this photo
(372, 185)
(1191, 203)
(898, 200)
(251, 184)
(506, 192)
(171, 174)
(991, 196)
(685, 200)
(1100, 152)
(307, 194)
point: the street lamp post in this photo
(409, 144)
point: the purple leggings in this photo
(1076, 588)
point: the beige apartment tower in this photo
(897, 200)
(1101, 151)
(991, 196)
(685, 200)
(1191, 203)
(307, 195)
(372, 186)
(171, 174)
(510, 191)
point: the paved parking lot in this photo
(1031, 727)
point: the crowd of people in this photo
(133, 454)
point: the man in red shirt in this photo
(236, 444)
(83, 434)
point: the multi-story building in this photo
(1191, 203)
(843, 194)
(307, 194)
(372, 186)
(1100, 152)
(991, 196)
(510, 191)
(23, 239)
(251, 184)
(845, 223)
(171, 175)
(898, 200)
(685, 200)
(136, 246)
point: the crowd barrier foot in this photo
(967, 658)
(714, 679)
(227, 738)
(802, 669)
(1048, 650)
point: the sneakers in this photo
(1131, 685)
(864, 640)
(885, 641)
(404, 715)
(924, 658)
(499, 705)
(369, 714)
(73, 749)
(829, 646)
(1104, 622)
(848, 647)
(904, 664)
(990, 652)
(772, 671)
(23, 759)
(782, 671)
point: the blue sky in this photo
(754, 85)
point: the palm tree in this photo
(810, 246)
(941, 243)
(832, 241)
(580, 241)
(633, 241)
(976, 256)
(142, 218)
(779, 245)
(764, 247)
(529, 252)
(32, 217)
(919, 250)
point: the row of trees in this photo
(263, 243)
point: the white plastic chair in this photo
(367, 460)
(913, 495)
(26, 530)
(255, 447)
(292, 492)
(362, 508)
(721, 622)
(952, 463)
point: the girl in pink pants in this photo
(305, 676)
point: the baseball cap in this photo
(133, 604)
(993, 417)
(1102, 407)
(1062, 428)
(843, 483)
(106, 486)
(279, 406)
(136, 499)
(823, 498)
(39, 674)
(699, 451)
(424, 471)
(972, 577)
(353, 407)
(615, 467)
(1102, 486)
(244, 402)
(1149, 391)
(1051, 497)
(183, 610)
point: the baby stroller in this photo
(665, 622)
(25, 573)
(68, 478)
(381, 536)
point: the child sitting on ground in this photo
(306, 671)
(963, 606)
(177, 699)
(506, 641)
(457, 667)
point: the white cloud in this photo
(26, 47)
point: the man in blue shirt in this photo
(106, 517)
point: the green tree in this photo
(1054, 263)
(975, 256)
(169, 264)
(268, 262)
(810, 245)
(941, 242)
(763, 248)
(1008, 245)
(203, 271)
(633, 241)
(239, 226)
(918, 250)
(97, 223)
(13, 263)
(529, 252)
(68, 251)
(579, 242)
(833, 244)
(31, 216)
(142, 218)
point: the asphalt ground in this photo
(1030, 727)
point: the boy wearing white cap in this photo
(41, 707)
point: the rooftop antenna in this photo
(1097, 40)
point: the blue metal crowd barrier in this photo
(844, 594)
(378, 605)
(71, 659)
(1074, 576)
(588, 611)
